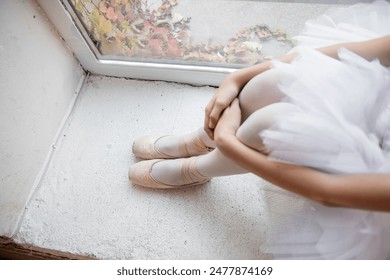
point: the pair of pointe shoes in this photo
(144, 148)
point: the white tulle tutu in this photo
(342, 125)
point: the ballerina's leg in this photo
(260, 91)
(255, 118)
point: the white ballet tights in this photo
(260, 105)
(169, 145)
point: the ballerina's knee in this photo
(262, 119)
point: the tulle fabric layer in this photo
(349, 24)
(342, 119)
(302, 229)
(341, 125)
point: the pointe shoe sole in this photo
(140, 175)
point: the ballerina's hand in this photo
(230, 120)
(220, 101)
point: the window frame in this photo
(60, 14)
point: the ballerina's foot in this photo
(169, 146)
(166, 174)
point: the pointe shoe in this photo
(140, 174)
(144, 147)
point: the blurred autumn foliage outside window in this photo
(130, 29)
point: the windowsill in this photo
(87, 206)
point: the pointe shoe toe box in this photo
(144, 148)
(140, 175)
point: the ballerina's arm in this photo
(378, 48)
(232, 85)
(230, 88)
(363, 191)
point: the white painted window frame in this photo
(92, 61)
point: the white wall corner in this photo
(38, 78)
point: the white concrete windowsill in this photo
(86, 205)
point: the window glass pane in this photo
(201, 32)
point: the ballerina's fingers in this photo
(230, 119)
(213, 114)
(209, 131)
